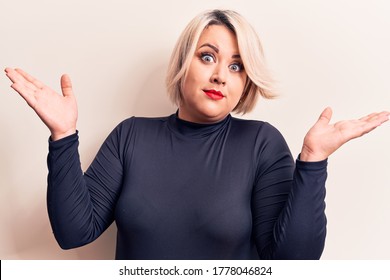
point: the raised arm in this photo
(288, 211)
(58, 112)
(80, 206)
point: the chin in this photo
(212, 114)
(206, 111)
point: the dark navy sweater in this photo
(180, 190)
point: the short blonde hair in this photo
(259, 80)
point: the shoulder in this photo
(141, 123)
(267, 141)
(271, 151)
(129, 128)
(131, 121)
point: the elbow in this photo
(308, 246)
(67, 242)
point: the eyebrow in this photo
(217, 50)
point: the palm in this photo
(58, 112)
(323, 138)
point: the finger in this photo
(367, 117)
(384, 113)
(382, 117)
(26, 93)
(375, 115)
(30, 78)
(66, 85)
(374, 122)
(378, 118)
(16, 77)
(325, 116)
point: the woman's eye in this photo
(236, 67)
(207, 57)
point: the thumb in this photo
(325, 116)
(66, 85)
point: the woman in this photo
(198, 184)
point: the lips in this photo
(214, 94)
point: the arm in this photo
(288, 203)
(289, 219)
(81, 206)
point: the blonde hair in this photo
(259, 80)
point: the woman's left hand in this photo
(323, 138)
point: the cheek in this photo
(243, 80)
(188, 86)
(239, 85)
(196, 78)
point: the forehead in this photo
(220, 36)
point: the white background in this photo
(323, 53)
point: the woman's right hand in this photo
(58, 112)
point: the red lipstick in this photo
(213, 94)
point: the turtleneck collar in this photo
(195, 130)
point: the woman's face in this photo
(215, 79)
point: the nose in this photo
(218, 77)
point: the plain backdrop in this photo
(322, 53)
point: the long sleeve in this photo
(179, 190)
(288, 204)
(81, 206)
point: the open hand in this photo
(58, 112)
(323, 138)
